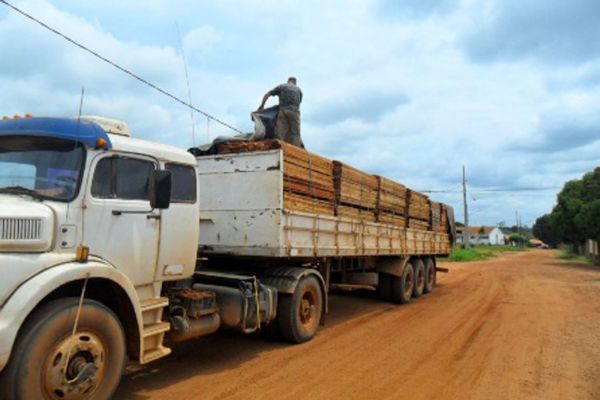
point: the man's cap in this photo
(292, 79)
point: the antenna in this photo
(187, 81)
(207, 130)
(80, 104)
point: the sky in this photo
(411, 90)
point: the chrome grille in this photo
(20, 228)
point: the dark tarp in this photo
(264, 129)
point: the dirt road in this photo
(523, 326)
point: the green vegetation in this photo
(479, 253)
(575, 216)
(567, 255)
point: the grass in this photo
(567, 255)
(479, 253)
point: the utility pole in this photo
(466, 236)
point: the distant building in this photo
(482, 235)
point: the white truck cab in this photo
(81, 203)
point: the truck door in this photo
(179, 225)
(118, 224)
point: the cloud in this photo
(414, 8)
(555, 32)
(369, 107)
(561, 132)
(199, 41)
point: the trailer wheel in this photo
(402, 286)
(429, 275)
(419, 285)
(94, 358)
(384, 286)
(300, 313)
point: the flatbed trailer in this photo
(242, 213)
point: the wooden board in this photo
(355, 213)
(297, 202)
(391, 218)
(418, 224)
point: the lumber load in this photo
(317, 185)
(354, 187)
(418, 207)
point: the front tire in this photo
(300, 313)
(96, 354)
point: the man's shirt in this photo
(290, 96)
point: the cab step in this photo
(155, 329)
(154, 303)
(155, 354)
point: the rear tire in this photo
(419, 285)
(95, 361)
(384, 286)
(429, 275)
(402, 286)
(300, 313)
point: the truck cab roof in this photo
(91, 131)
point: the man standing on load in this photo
(287, 127)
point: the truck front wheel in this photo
(300, 313)
(48, 362)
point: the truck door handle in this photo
(153, 216)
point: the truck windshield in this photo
(41, 167)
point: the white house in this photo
(482, 235)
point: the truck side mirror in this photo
(160, 189)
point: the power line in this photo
(114, 64)
(517, 189)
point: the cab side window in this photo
(183, 183)
(122, 178)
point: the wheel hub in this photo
(74, 368)
(420, 279)
(408, 285)
(307, 309)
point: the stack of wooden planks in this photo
(315, 184)
(391, 202)
(419, 210)
(353, 187)
(439, 217)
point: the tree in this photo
(588, 221)
(576, 216)
(544, 230)
(569, 202)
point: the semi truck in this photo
(113, 248)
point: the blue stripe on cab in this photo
(86, 132)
